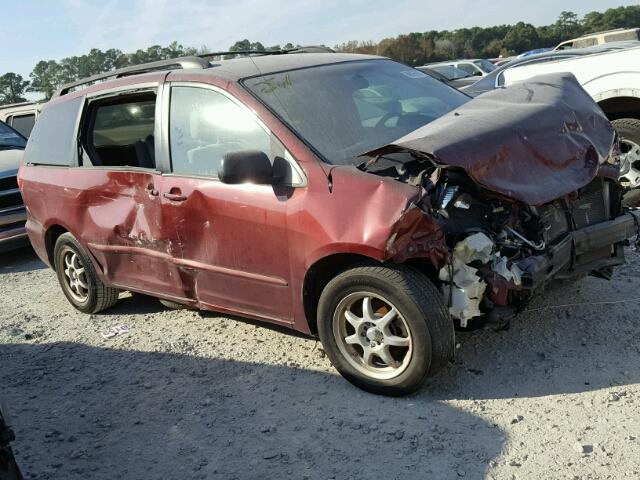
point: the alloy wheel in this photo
(372, 335)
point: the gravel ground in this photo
(184, 395)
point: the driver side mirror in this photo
(477, 74)
(246, 166)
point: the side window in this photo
(23, 123)
(204, 125)
(53, 140)
(118, 131)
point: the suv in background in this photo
(12, 212)
(21, 116)
(478, 67)
(345, 196)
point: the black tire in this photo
(423, 311)
(96, 296)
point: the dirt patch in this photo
(184, 395)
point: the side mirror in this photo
(246, 166)
(477, 74)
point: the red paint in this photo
(233, 248)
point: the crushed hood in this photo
(534, 141)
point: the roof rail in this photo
(18, 104)
(195, 61)
(182, 62)
(307, 49)
(613, 30)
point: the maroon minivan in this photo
(345, 196)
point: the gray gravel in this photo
(184, 395)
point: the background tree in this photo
(12, 88)
(414, 48)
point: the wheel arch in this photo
(319, 274)
(324, 269)
(619, 104)
(52, 233)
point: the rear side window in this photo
(53, 139)
(23, 123)
(119, 132)
(205, 125)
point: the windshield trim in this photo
(297, 134)
(13, 130)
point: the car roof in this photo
(243, 67)
(234, 69)
(450, 62)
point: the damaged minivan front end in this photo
(516, 188)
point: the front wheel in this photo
(385, 328)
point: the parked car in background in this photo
(599, 38)
(496, 78)
(20, 116)
(345, 196)
(451, 75)
(478, 67)
(609, 73)
(12, 212)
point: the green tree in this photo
(45, 78)
(12, 88)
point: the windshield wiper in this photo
(11, 147)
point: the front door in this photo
(232, 239)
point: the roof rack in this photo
(194, 61)
(613, 30)
(306, 49)
(182, 62)
(18, 104)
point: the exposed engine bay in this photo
(500, 250)
(517, 187)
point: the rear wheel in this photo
(78, 279)
(629, 132)
(385, 328)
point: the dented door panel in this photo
(115, 214)
(231, 244)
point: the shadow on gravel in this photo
(85, 412)
(20, 260)
(578, 348)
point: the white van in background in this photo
(598, 38)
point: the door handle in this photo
(175, 197)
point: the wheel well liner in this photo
(321, 272)
(621, 107)
(318, 275)
(50, 238)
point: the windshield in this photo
(485, 65)
(451, 72)
(9, 138)
(344, 110)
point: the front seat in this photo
(145, 152)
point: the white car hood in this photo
(10, 161)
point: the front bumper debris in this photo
(581, 251)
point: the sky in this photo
(33, 30)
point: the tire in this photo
(422, 318)
(90, 295)
(629, 132)
(174, 305)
